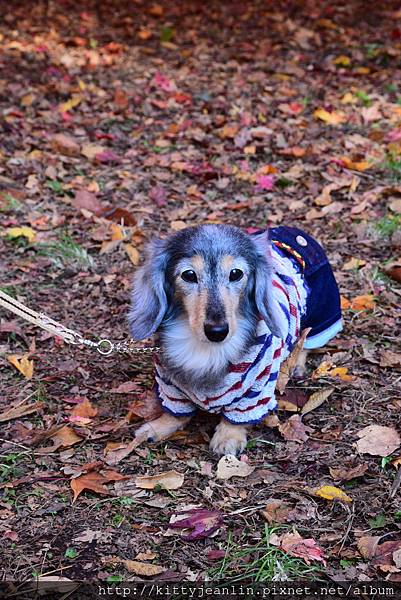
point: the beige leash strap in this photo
(70, 336)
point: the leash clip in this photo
(105, 347)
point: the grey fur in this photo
(154, 307)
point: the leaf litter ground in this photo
(121, 122)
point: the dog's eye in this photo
(189, 276)
(236, 274)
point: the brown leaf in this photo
(88, 201)
(276, 511)
(143, 569)
(147, 407)
(20, 410)
(347, 474)
(367, 545)
(125, 388)
(294, 430)
(330, 492)
(63, 438)
(390, 359)
(289, 365)
(170, 480)
(94, 481)
(316, 399)
(84, 409)
(116, 455)
(377, 440)
(65, 144)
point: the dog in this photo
(227, 307)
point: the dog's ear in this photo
(265, 298)
(149, 299)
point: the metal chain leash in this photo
(105, 347)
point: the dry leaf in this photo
(316, 399)
(16, 232)
(177, 225)
(143, 569)
(353, 263)
(390, 359)
(84, 409)
(94, 482)
(16, 412)
(359, 165)
(367, 545)
(201, 521)
(307, 549)
(378, 440)
(289, 365)
(22, 363)
(170, 480)
(88, 201)
(348, 473)
(276, 511)
(116, 455)
(326, 369)
(331, 118)
(365, 302)
(133, 254)
(229, 466)
(329, 492)
(294, 430)
(64, 438)
(91, 150)
(65, 144)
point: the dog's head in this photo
(212, 275)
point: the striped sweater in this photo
(247, 392)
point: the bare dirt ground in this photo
(121, 122)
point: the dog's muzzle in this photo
(216, 333)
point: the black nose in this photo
(216, 333)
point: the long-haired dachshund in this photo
(227, 308)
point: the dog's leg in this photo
(300, 370)
(228, 438)
(161, 428)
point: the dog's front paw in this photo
(160, 428)
(228, 439)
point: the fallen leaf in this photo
(353, 263)
(229, 466)
(316, 399)
(133, 254)
(359, 165)
(20, 410)
(395, 205)
(16, 232)
(289, 365)
(390, 359)
(177, 225)
(88, 201)
(65, 144)
(170, 480)
(347, 474)
(142, 568)
(294, 430)
(147, 407)
(365, 302)
(95, 482)
(331, 118)
(116, 455)
(330, 492)
(326, 369)
(83, 411)
(367, 545)
(70, 104)
(378, 440)
(64, 438)
(307, 549)
(276, 511)
(158, 194)
(91, 150)
(22, 363)
(202, 521)
(125, 388)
